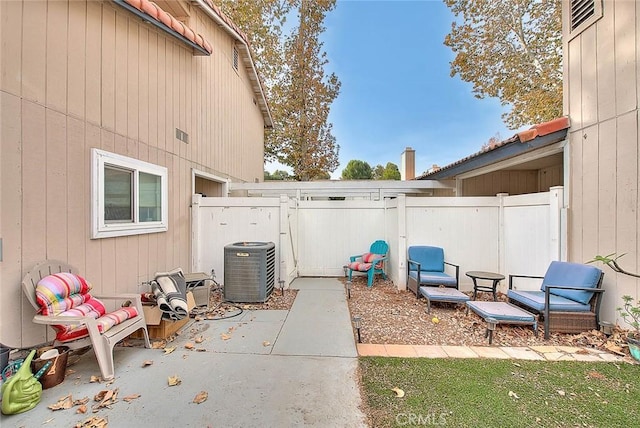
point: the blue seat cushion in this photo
(430, 258)
(572, 275)
(437, 294)
(433, 278)
(535, 300)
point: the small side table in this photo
(475, 275)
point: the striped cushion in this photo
(105, 322)
(359, 266)
(61, 291)
(371, 257)
(65, 294)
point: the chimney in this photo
(408, 164)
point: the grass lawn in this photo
(500, 393)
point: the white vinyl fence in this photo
(507, 234)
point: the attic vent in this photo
(235, 58)
(584, 13)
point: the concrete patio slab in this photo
(246, 382)
(319, 323)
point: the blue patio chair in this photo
(371, 262)
(426, 266)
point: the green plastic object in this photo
(21, 392)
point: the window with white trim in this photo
(129, 196)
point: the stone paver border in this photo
(548, 353)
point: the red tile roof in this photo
(535, 131)
(157, 13)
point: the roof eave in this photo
(498, 154)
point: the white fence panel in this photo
(466, 228)
(506, 234)
(528, 234)
(221, 221)
(331, 231)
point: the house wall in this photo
(513, 182)
(79, 75)
(601, 90)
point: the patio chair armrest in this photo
(457, 271)
(354, 258)
(53, 320)
(521, 276)
(567, 287)
(412, 262)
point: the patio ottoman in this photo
(495, 313)
(442, 294)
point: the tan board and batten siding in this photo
(602, 90)
(80, 75)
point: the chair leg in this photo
(147, 344)
(370, 278)
(104, 354)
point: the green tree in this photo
(357, 170)
(378, 172)
(292, 68)
(512, 50)
(391, 172)
(277, 175)
(304, 140)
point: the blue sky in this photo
(396, 89)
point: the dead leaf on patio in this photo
(201, 350)
(189, 345)
(106, 398)
(201, 397)
(225, 336)
(95, 379)
(398, 391)
(81, 409)
(513, 395)
(63, 403)
(158, 345)
(94, 422)
(174, 380)
(81, 401)
(131, 397)
(266, 343)
(169, 350)
(199, 339)
(147, 363)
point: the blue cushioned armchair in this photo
(426, 266)
(569, 297)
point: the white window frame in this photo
(102, 229)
